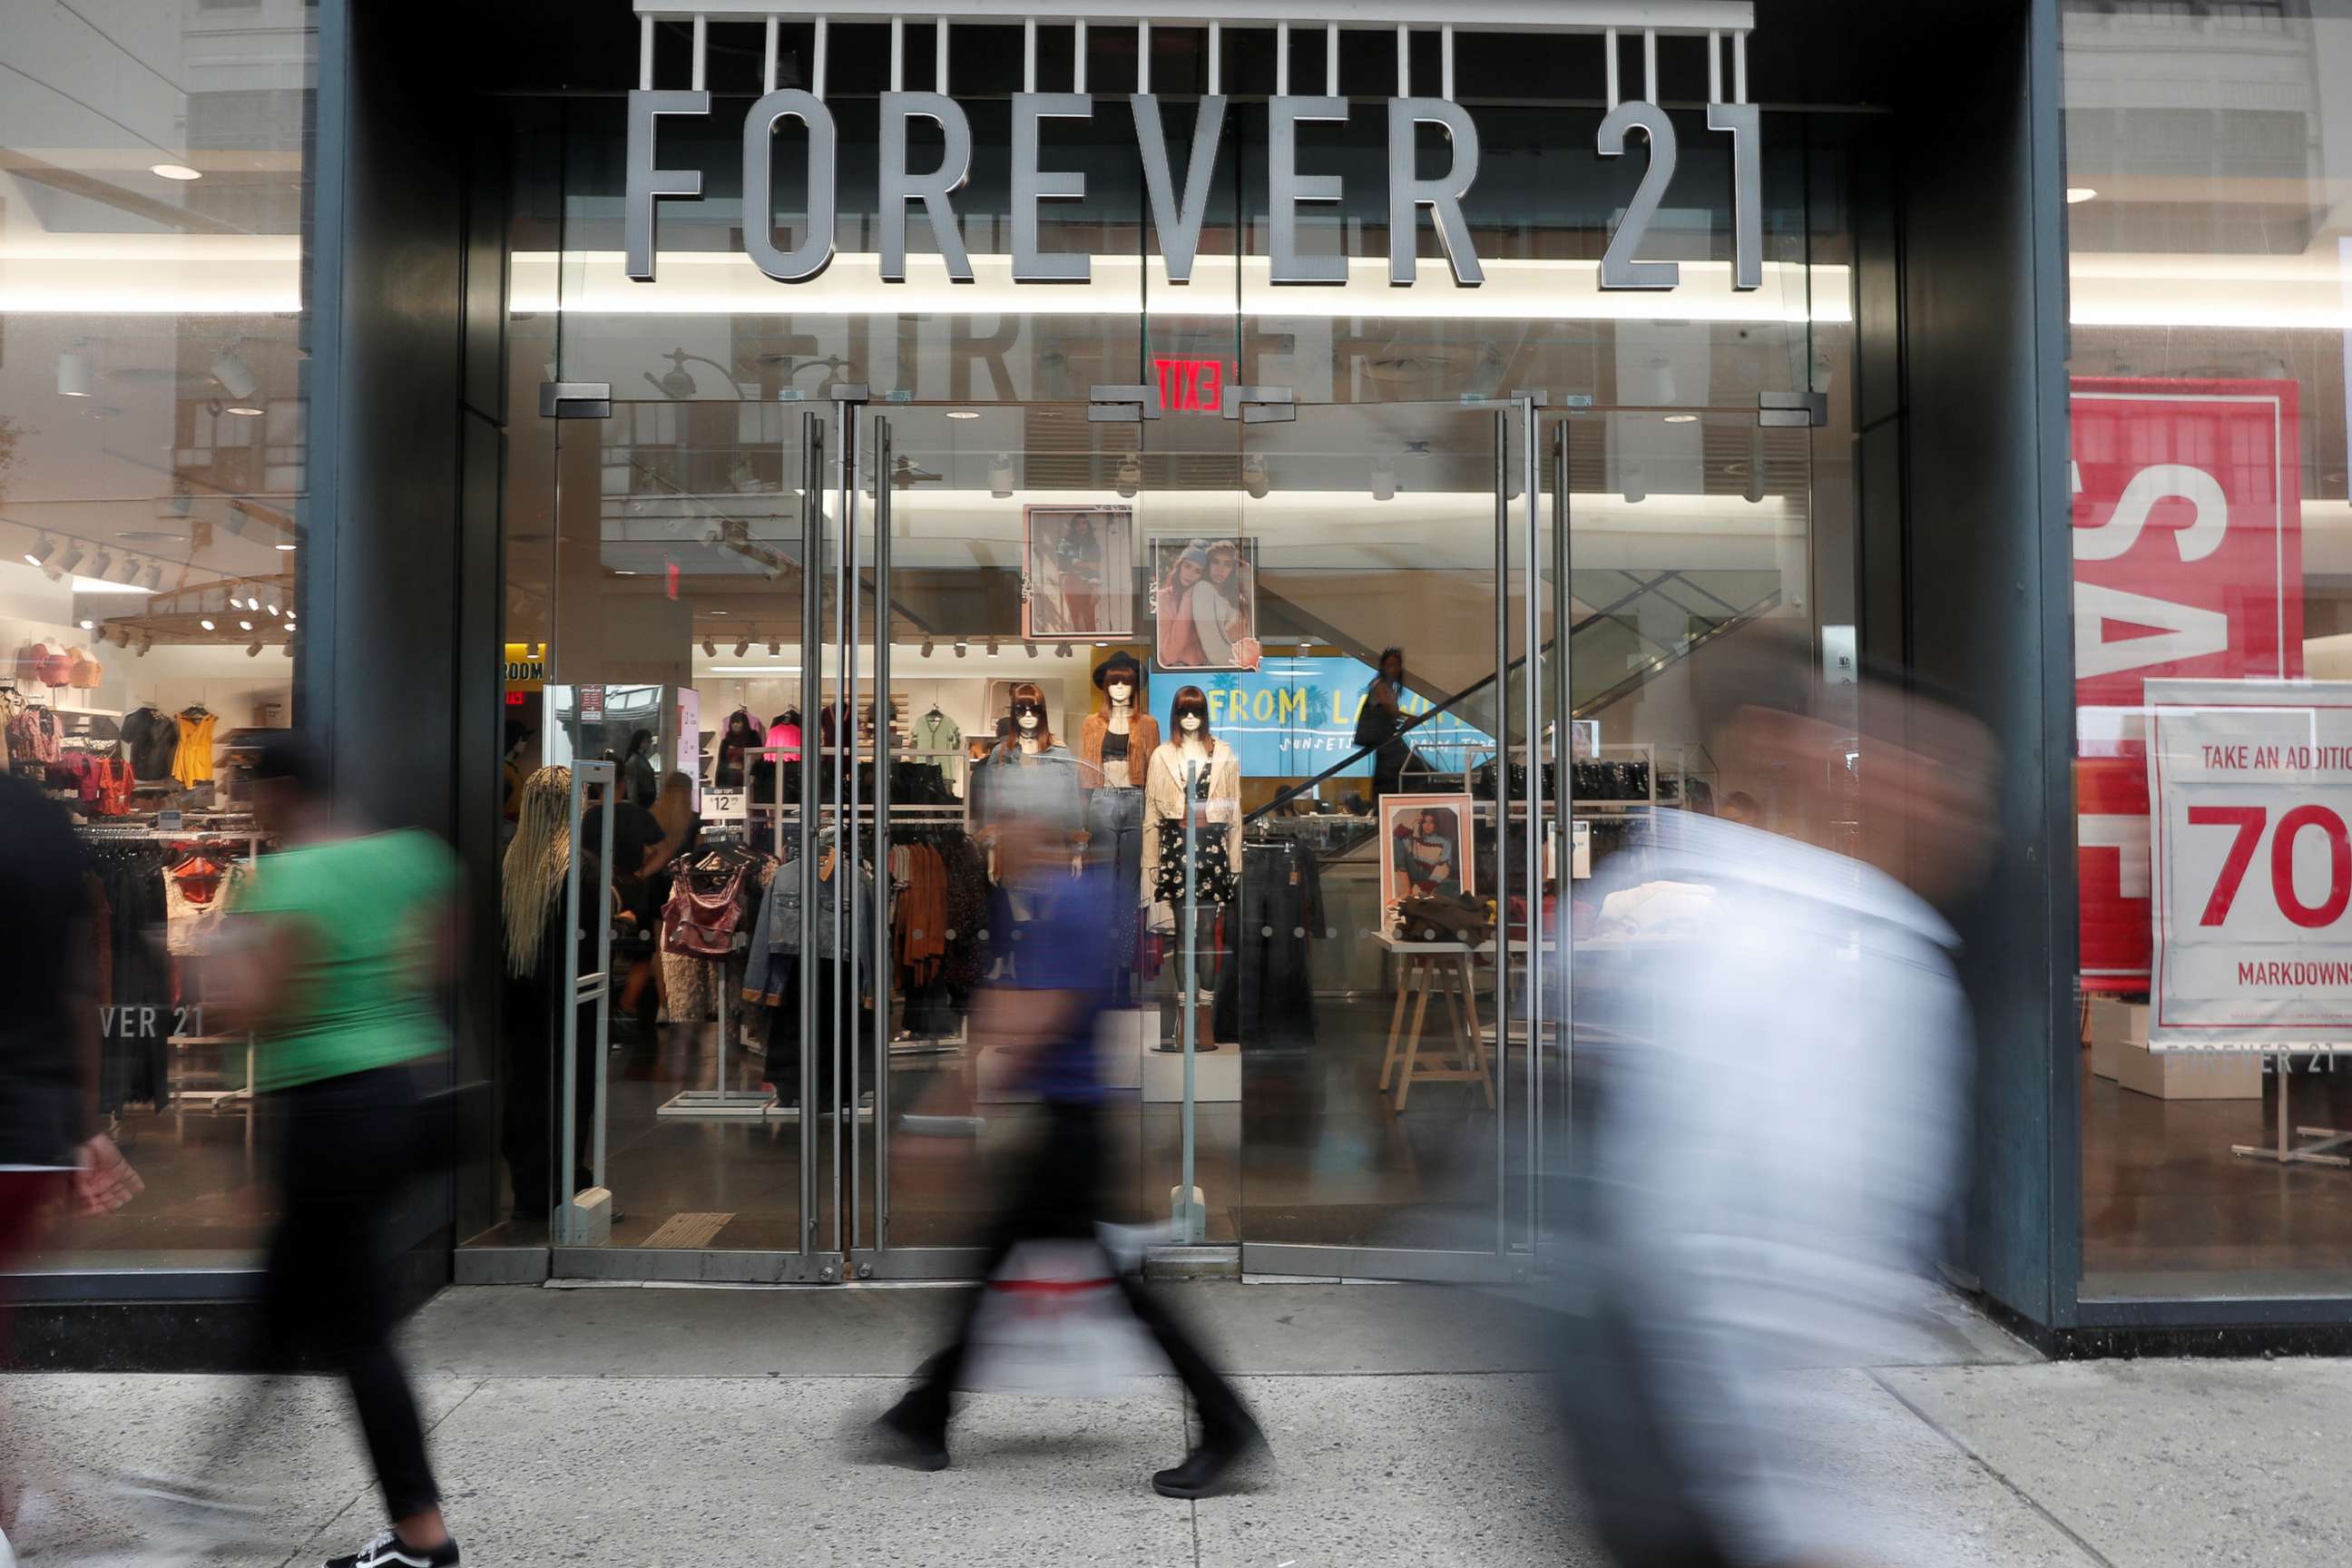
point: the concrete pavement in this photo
(657, 1426)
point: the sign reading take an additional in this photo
(2250, 784)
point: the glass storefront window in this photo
(2206, 164)
(152, 449)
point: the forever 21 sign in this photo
(1176, 213)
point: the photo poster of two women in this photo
(1204, 604)
(1077, 573)
(1427, 857)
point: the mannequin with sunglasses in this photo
(1194, 763)
(1029, 773)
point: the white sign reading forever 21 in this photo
(1176, 215)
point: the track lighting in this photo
(1754, 489)
(101, 564)
(129, 570)
(710, 649)
(963, 647)
(289, 649)
(1030, 648)
(1130, 476)
(39, 554)
(742, 647)
(995, 649)
(146, 643)
(155, 574)
(1000, 477)
(71, 565)
(73, 375)
(1637, 488)
(927, 647)
(775, 648)
(1383, 481)
(253, 649)
(1067, 651)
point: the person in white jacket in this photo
(1781, 1133)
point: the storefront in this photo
(466, 388)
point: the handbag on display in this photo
(701, 922)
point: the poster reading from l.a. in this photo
(2250, 792)
(2188, 546)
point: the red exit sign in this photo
(1191, 385)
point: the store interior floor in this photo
(1329, 1160)
(1314, 1154)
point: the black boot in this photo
(908, 1437)
(1208, 1469)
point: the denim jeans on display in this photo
(1115, 841)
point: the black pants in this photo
(1055, 1200)
(350, 1146)
(1388, 768)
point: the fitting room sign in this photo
(1176, 211)
(2188, 545)
(2251, 783)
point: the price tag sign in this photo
(2250, 789)
(723, 804)
(170, 822)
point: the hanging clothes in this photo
(136, 1003)
(150, 740)
(191, 759)
(198, 891)
(1266, 994)
(935, 731)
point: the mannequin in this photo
(1214, 768)
(1115, 750)
(1028, 773)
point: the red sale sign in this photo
(2251, 788)
(2188, 552)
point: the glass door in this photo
(1377, 991)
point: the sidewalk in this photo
(701, 1427)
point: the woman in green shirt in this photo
(334, 955)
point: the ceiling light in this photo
(154, 574)
(1754, 489)
(1681, 418)
(963, 647)
(176, 170)
(129, 570)
(1000, 477)
(235, 375)
(281, 547)
(86, 624)
(1030, 648)
(710, 649)
(1254, 477)
(927, 647)
(146, 643)
(39, 554)
(742, 647)
(72, 563)
(253, 649)
(1636, 488)
(74, 375)
(775, 649)
(2077, 195)
(245, 408)
(244, 625)
(101, 564)
(995, 649)
(207, 623)
(962, 414)
(617, 571)
(1130, 476)
(1067, 651)
(273, 609)
(286, 649)
(1383, 481)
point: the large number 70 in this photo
(2250, 821)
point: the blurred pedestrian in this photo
(54, 1155)
(1045, 1013)
(1778, 1140)
(334, 955)
(1380, 724)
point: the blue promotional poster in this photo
(1293, 717)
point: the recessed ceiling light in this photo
(206, 622)
(623, 571)
(245, 409)
(176, 172)
(86, 624)
(962, 414)
(281, 547)
(244, 625)
(2077, 195)
(1681, 418)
